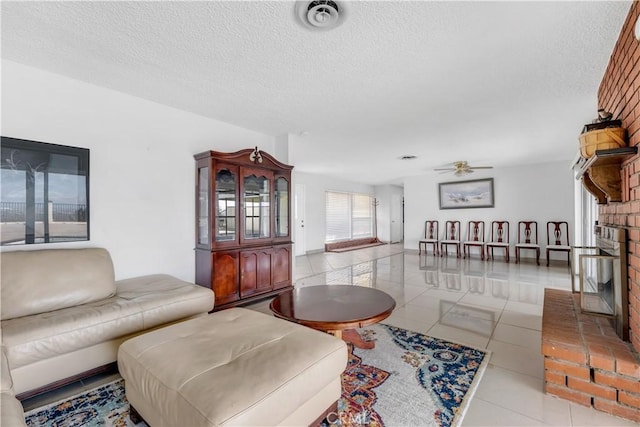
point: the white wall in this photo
(142, 172)
(315, 188)
(141, 163)
(541, 192)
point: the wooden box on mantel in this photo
(602, 136)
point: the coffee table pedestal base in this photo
(352, 336)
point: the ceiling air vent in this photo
(320, 14)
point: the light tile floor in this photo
(492, 305)
(486, 304)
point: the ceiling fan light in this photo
(461, 168)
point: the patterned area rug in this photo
(103, 406)
(408, 379)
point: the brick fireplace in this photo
(585, 361)
(619, 93)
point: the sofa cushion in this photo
(33, 338)
(39, 281)
(163, 298)
(141, 303)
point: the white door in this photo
(396, 219)
(298, 216)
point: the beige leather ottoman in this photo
(234, 367)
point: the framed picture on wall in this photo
(477, 193)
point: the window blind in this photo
(348, 216)
(361, 219)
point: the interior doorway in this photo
(397, 218)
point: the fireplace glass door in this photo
(597, 286)
(576, 253)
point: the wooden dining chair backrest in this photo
(475, 231)
(431, 230)
(528, 232)
(452, 230)
(558, 233)
(500, 231)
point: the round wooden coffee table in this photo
(337, 309)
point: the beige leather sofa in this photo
(64, 314)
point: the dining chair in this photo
(430, 237)
(528, 239)
(475, 238)
(499, 239)
(451, 237)
(558, 239)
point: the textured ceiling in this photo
(494, 83)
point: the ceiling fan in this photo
(461, 168)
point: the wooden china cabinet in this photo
(243, 238)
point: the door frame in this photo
(298, 217)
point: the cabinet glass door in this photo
(203, 206)
(257, 208)
(225, 206)
(282, 207)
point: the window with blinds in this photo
(349, 216)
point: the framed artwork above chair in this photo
(477, 193)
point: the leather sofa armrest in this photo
(11, 411)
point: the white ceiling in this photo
(494, 83)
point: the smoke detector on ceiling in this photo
(320, 14)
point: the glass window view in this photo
(44, 193)
(349, 216)
(225, 206)
(256, 207)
